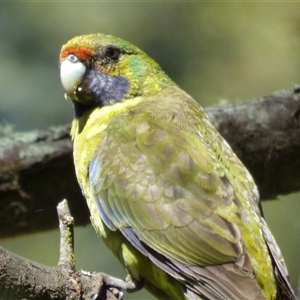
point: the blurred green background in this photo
(216, 51)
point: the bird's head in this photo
(99, 70)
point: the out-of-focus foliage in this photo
(214, 51)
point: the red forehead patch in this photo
(81, 52)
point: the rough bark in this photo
(36, 168)
(36, 172)
(23, 278)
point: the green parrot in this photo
(165, 191)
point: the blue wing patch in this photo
(93, 170)
(103, 215)
(131, 236)
(158, 259)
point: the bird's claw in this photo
(130, 285)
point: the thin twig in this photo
(66, 227)
(25, 279)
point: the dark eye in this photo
(112, 52)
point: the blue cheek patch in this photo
(100, 89)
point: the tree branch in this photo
(33, 164)
(264, 132)
(66, 227)
(23, 278)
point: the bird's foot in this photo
(117, 285)
(133, 285)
